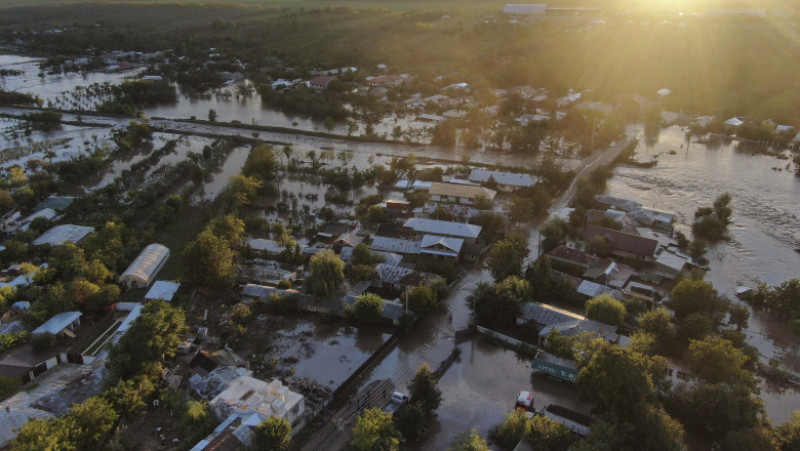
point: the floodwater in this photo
(327, 352)
(764, 234)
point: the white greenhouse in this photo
(144, 269)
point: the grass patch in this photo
(101, 340)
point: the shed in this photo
(142, 271)
(63, 323)
(162, 289)
(64, 233)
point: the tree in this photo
(411, 420)
(243, 189)
(326, 273)
(506, 256)
(614, 381)
(363, 256)
(650, 429)
(153, 336)
(757, 438)
(546, 434)
(261, 163)
(606, 309)
(696, 296)
(368, 308)
(658, 323)
(554, 232)
(45, 435)
(92, 419)
(512, 430)
(422, 300)
(274, 433)
(739, 316)
(789, 433)
(423, 389)
(375, 431)
(212, 115)
(227, 227)
(500, 304)
(468, 441)
(717, 361)
(209, 261)
(598, 246)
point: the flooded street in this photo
(764, 233)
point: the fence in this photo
(513, 342)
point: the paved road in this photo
(591, 163)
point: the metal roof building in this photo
(58, 323)
(142, 271)
(444, 228)
(64, 233)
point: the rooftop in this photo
(503, 178)
(447, 228)
(57, 323)
(624, 242)
(162, 289)
(64, 233)
(461, 190)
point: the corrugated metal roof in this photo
(57, 323)
(447, 228)
(503, 178)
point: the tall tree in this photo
(209, 261)
(506, 256)
(423, 389)
(606, 309)
(375, 431)
(274, 433)
(153, 336)
(468, 441)
(326, 273)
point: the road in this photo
(591, 163)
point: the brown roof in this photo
(622, 241)
(576, 256)
(459, 190)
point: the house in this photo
(549, 318)
(63, 324)
(385, 80)
(531, 9)
(734, 122)
(669, 265)
(460, 193)
(347, 239)
(623, 245)
(145, 267)
(269, 271)
(591, 289)
(395, 245)
(268, 247)
(321, 82)
(621, 204)
(64, 233)
(233, 433)
(246, 394)
(441, 247)
(162, 289)
(579, 263)
(505, 181)
(467, 232)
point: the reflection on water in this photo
(765, 229)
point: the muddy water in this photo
(327, 353)
(764, 233)
(233, 165)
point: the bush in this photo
(368, 308)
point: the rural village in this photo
(201, 281)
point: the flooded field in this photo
(764, 234)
